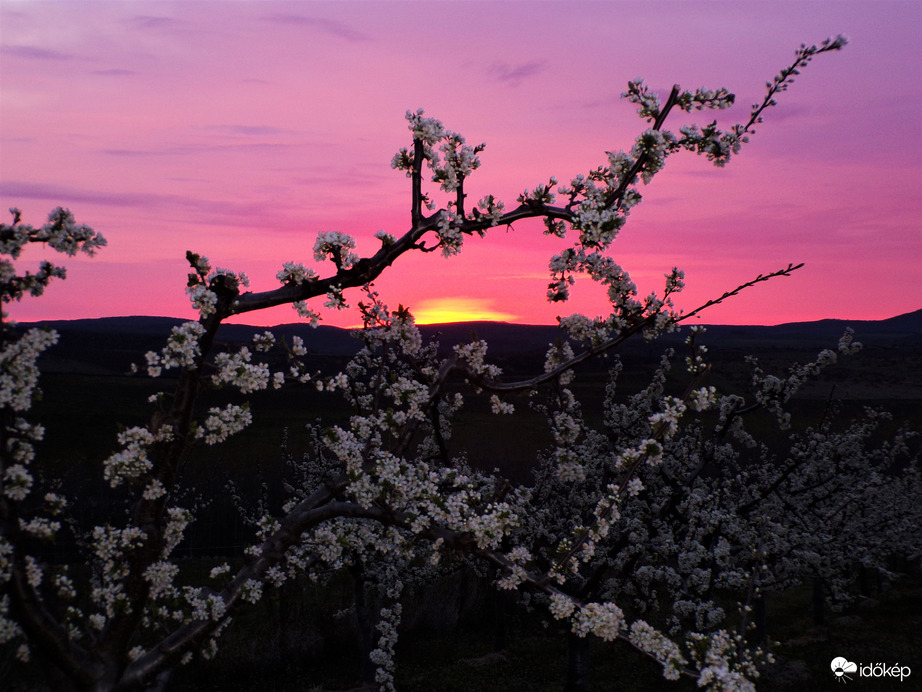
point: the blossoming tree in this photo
(386, 492)
(710, 511)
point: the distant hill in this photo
(111, 344)
(902, 329)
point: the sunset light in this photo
(445, 310)
(240, 130)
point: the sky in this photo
(239, 130)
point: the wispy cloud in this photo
(114, 73)
(150, 22)
(516, 74)
(606, 102)
(327, 26)
(34, 53)
(251, 130)
(204, 211)
(195, 149)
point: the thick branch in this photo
(368, 269)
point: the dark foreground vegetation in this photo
(460, 634)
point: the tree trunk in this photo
(500, 613)
(760, 620)
(577, 663)
(819, 602)
(365, 624)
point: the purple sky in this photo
(239, 130)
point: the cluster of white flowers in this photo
(335, 299)
(541, 195)
(181, 350)
(773, 392)
(705, 99)
(178, 520)
(204, 604)
(410, 395)
(385, 238)
(847, 344)
(222, 423)
(237, 370)
(17, 482)
(449, 231)
(491, 209)
(427, 130)
(204, 300)
(720, 667)
(110, 546)
(160, 575)
(40, 527)
(474, 356)
(132, 461)
(605, 620)
(337, 247)
(201, 284)
(154, 490)
(558, 355)
(515, 572)
(499, 406)
(703, 398)
(18, 370)
(62, 233)
(561, 605)
(296, 273)
(383, 656)
(9, 628)
(653, 146)
(460, 160)
(667, 420)
(663, 649)
(639, 93)
(305, 312)
(450, 163)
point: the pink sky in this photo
(239, 130)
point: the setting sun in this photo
(444, 310)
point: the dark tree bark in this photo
(365, 624)
(577, 663)
(819, 602)
(760, 620)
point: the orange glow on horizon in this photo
(445, 310)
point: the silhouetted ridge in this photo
(110, 345)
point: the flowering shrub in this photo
(633, 515)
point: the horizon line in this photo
(440, 324)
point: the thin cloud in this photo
(518, 277)
(327, 26)
(251, 130)
(516, 74)
(34, 53)
(207, 212)
(613, 99)
(114, 73)
(197, 149)
(150, 22)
